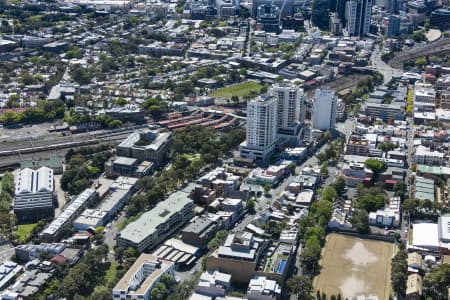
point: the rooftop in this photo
(161, 213)
(135, 281)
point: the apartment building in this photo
(424, 98)
(357, 145)
(324, 110)
(157, 224)
(139, 280)
(261, 130)
(290, 108)
(238, 256)
(425, 156)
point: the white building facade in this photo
(290, 111)
(261, 131)
(35, 195)
(324, 110)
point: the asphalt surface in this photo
(385, 69)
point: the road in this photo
(385, 69)
(6, 251)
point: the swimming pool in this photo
(282, 266)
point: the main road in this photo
(385, 69)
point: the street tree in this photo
(301, 286)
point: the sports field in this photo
(353, 266)
(238, 90)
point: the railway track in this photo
(51, 145)
(439, 47)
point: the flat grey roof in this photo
(146, 225)
(198, 225)
(127, 161)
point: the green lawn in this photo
(239, 90)
(109, 276)
(24, 231)
(111, 273)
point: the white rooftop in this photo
(425, 235)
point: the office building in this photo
(385, 111)
(147, 145)
(269, 16)
(34, 194)
(393, 29)
(324, 110)
(358, 14)
(226, 8)
(127, 166)
(335, 25)
(440, 18)
(157, 224)
(290, 108)
(286, 8)
(393, 6)
(261, 131)
(143, 275)
(340, 10)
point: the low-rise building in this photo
(355, 173)
(127, 113)
(262, 288)
(424, 188)
(425, 156)
(181, 254)
(9, 270)
(213, 283)
(384, 217)
(70, 213)
(444, 228)
(157, 224)
(238, 256)
(54, 163)
(29, 251)
(127, 166)
(414, 287)
(385, 111)
(357, 145)
(200, 231)
(34, 194)
(148, 145)
(142, 276)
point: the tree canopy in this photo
(375, 165)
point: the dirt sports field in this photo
(353, 266)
